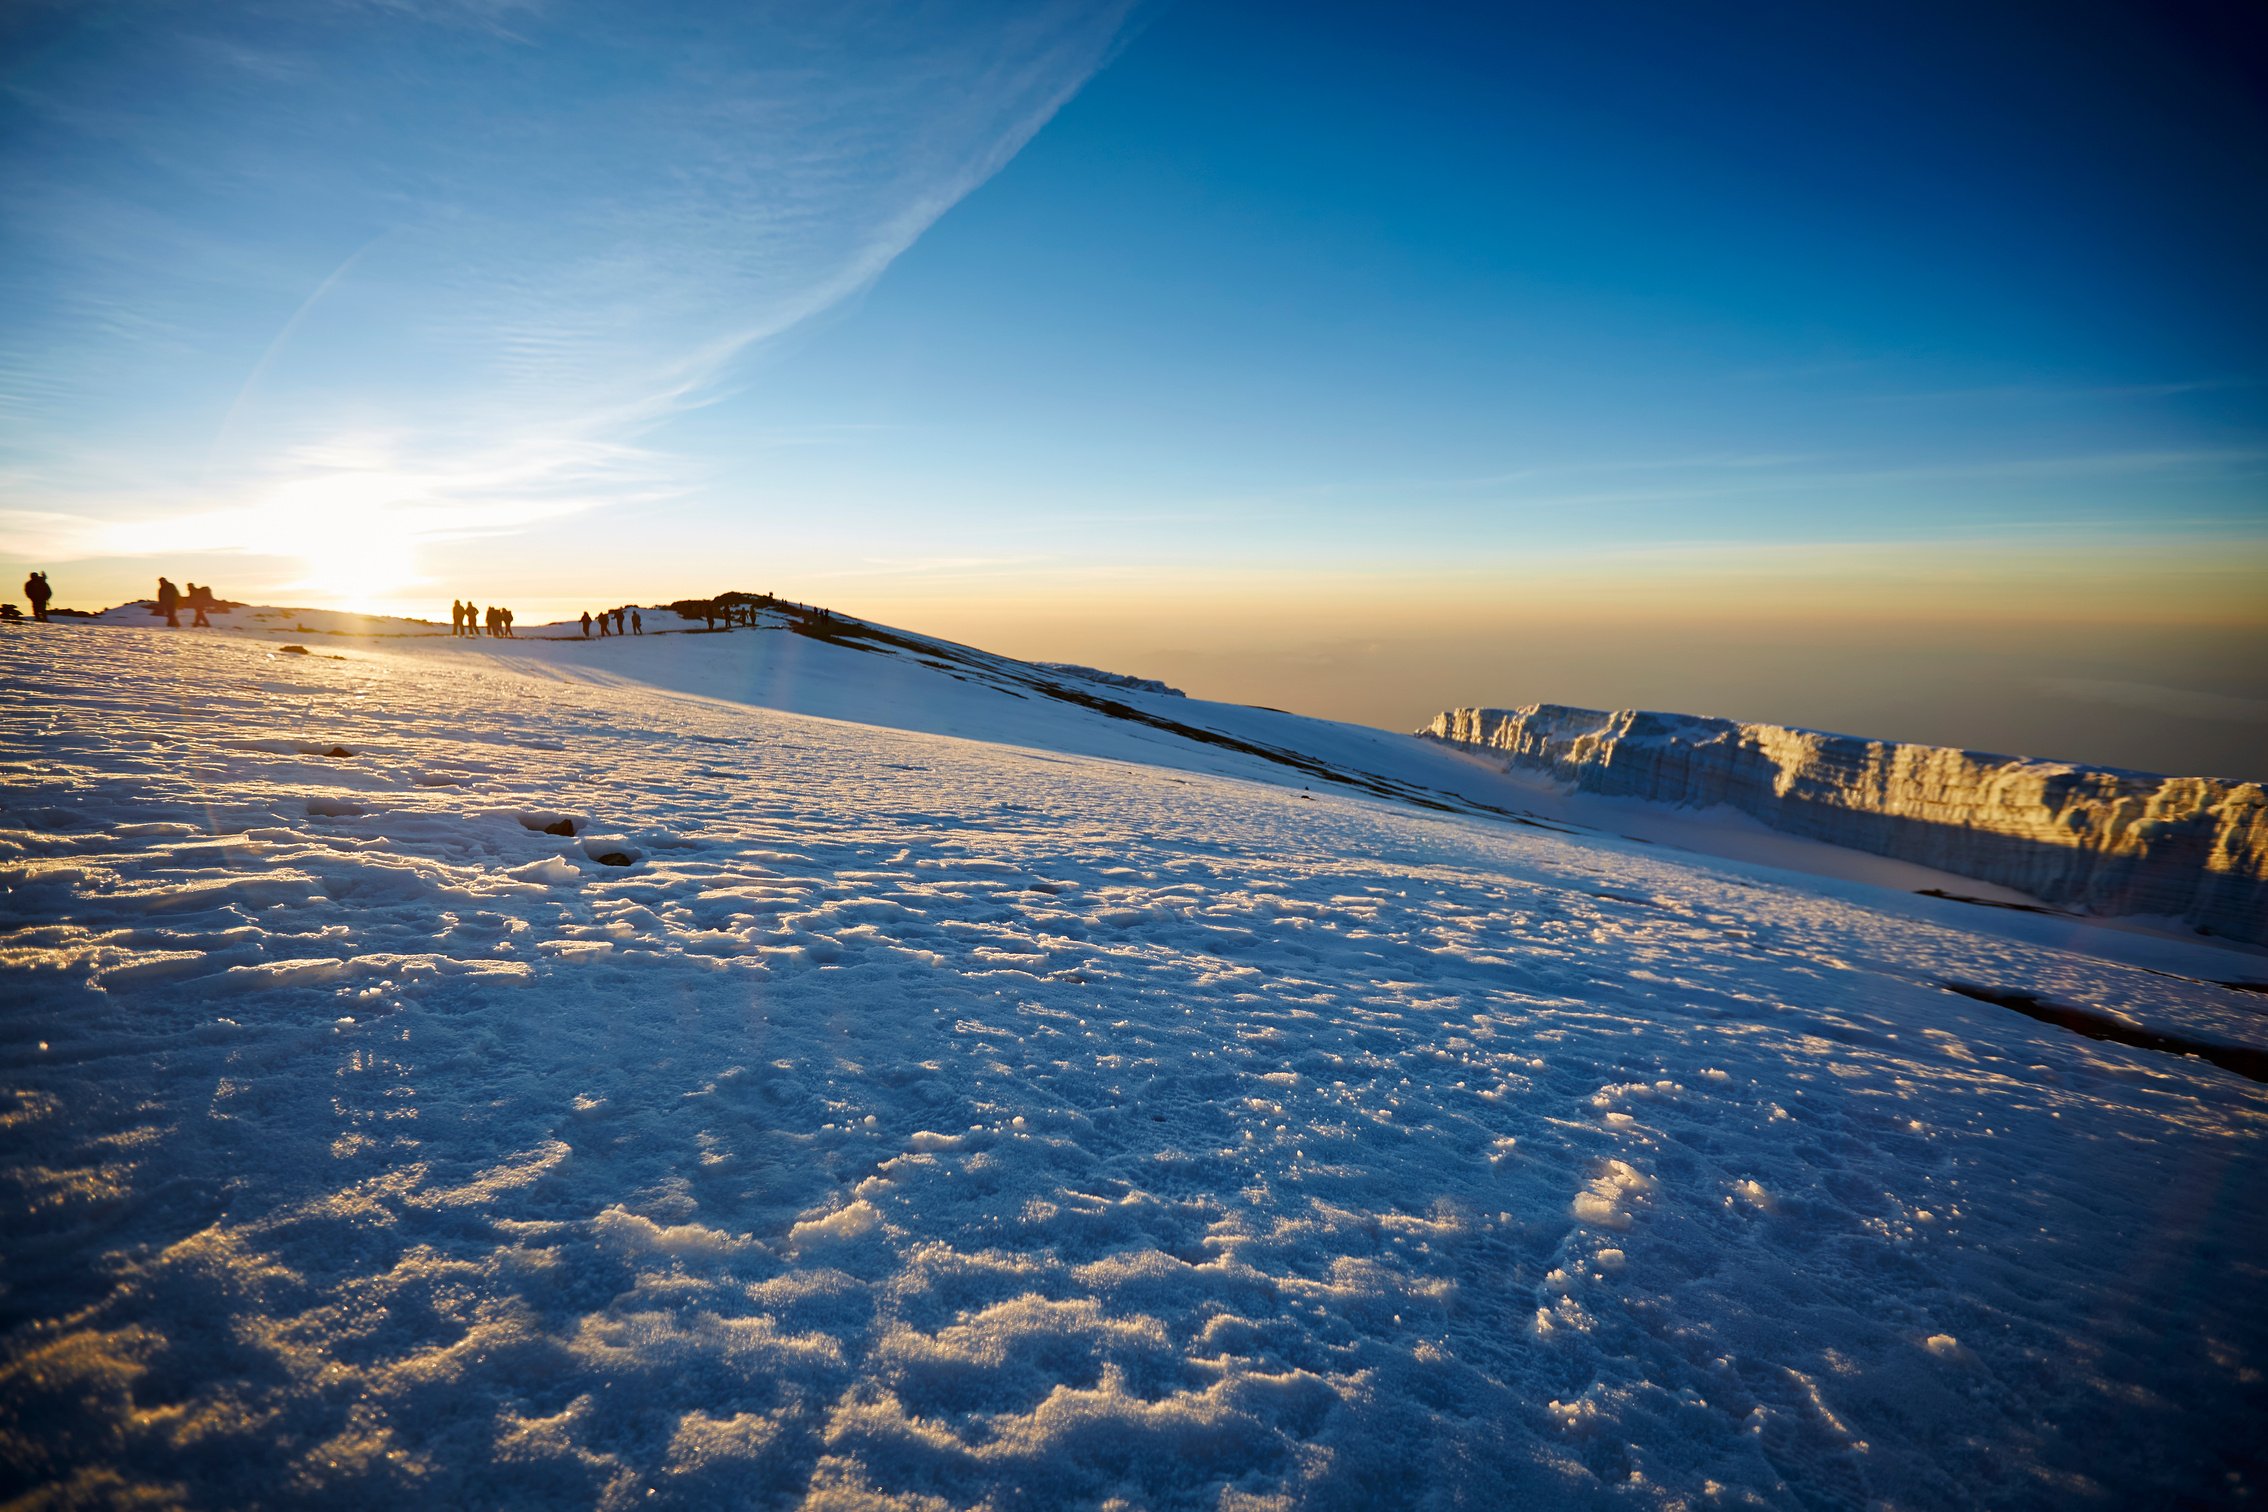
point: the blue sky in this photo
(1023, 321)
(1396, 288)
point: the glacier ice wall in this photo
(2092, 838)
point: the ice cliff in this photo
(2091, 838)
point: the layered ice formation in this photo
(2091, 838)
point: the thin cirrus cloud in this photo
(448, 269)
(2156, 698)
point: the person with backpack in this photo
(36, 589)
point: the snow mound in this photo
(1111, 679)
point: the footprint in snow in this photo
(612, 850)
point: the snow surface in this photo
(1081, 1114)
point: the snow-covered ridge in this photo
(2096, 838)
(1111, 679)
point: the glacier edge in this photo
(2096, 839)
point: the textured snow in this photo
(2108, 841)
(845, 1115)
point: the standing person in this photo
(456, 618)
(618, 630)
(508, 624)
(168, 601)
(637, 623)
(586, 624)
(472, 617)
(199, 599)
(36, 589)
(603, 622)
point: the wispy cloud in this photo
(2068, 393)
(1706, 478)
(255, 243)
(2153, 698)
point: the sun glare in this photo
(356, 550)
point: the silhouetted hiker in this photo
(618, 630)
(199, 599)
(168, 601)
(507, 624)
(36, 589)
(637, 623)
(586, 624)
(605, 621)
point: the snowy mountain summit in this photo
(819, 1065)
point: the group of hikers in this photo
(171, 601)
(742, 609)
(637, 622)
(463, 617)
